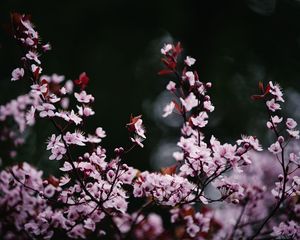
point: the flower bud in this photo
(208, 85)
(280, 139)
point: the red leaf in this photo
(261, 86)
(130, 126)
(53, 181)
(165, 72)
(178, 108)
(267, 89)
(169, 170)
(36, 73)
(83, 80)
(257, 97)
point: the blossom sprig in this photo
(94, 193)
(136, 127)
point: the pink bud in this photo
(208, 85)
(280, 177)
(280, 139)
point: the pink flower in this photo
(57, 153)
(179, 156)
(291, 123)
(89, 224)
(49, 191)
(67, 167)
(275, 120)
(73, 117)
(83, 97)
(85, 111)
(189, 102)
(138, 140)
(275, 90)
(46, 110)
(192, 230)
(33, 56)
(272, 105)
(189, 61)
(30, 120)
(190, 77)
(54, 141)
(75, 138)
(208, 106)
(168, 109)
(293, 133)
(171, 86)
(275, 148)
(17, 74)
(64, 180)
(53, 98)
(139, 128)
(63, 114)
(166, 49)
(110, 175)
(46, 47)
(200, 120)
(252, 141)
(39, 89)
(35, 68)
(100, 132)
(294, 158)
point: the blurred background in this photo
(236, 44)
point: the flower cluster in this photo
(97, 195)
(168, 190)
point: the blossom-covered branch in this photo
(213, 191)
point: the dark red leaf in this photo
(165, 72)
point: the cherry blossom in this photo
(171, 86)
(189, 61)
(83, 97)
(33, 56)
(272, 105)
(17, 74)
(189, 102)
(168, 109)
(200, 120)
(275, 148)
(291, 123)
(190, 77)
(46, 110)
(166, 49)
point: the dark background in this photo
(236, 44)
